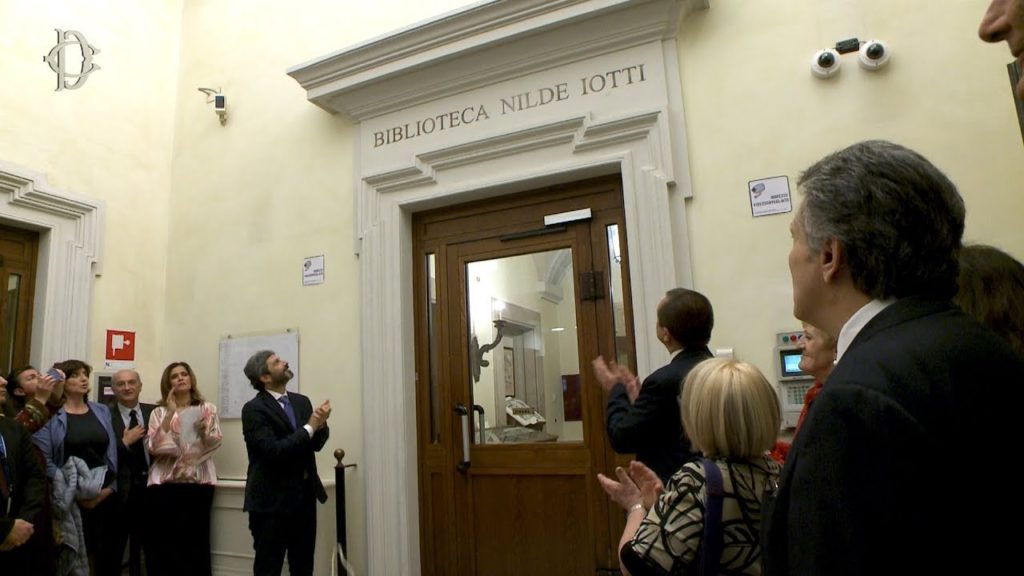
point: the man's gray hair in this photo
(899, 219)
(138, 377)
(256, 366)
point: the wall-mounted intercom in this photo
(793, 382)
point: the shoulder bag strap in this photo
(711, 551)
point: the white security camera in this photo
(220, 106)
(220, 103)
(825, 63)
(873, 54)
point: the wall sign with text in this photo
(769, 196)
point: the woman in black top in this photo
(83, 429)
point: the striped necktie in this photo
(287, 405)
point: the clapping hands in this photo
(639, 485)
(609, 374)
(320, 415)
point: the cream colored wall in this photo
(251, 199)
(108, 140)
(207, 225)
(754, 110)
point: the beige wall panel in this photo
(754, 110)
(109, 140)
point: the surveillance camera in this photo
(220, 103)
(873, 54)
(825, 63)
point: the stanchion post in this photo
(339, 510)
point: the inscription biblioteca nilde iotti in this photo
(593, 84)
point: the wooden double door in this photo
(18, 250)
(514, 298)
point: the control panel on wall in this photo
(793, 383)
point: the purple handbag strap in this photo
(711, 551)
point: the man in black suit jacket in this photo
(22, 491)
(897, 467)
(645, 419)
(282, 432)
(130, 419)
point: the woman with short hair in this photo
(731, 414)
(82, 430)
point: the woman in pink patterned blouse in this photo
(184, 431)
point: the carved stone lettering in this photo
(514, 103)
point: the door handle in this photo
(463, 413)
(480, 421)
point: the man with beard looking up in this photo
(282, 484)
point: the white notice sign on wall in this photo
(313, 270)
(769, 196)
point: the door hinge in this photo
(591, 285)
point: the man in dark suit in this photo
(894, 468)
(22, 491)
(282, 432)
(129, 418)
(645, 418)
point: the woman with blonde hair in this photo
(184, 431)
(731, 414)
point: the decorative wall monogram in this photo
(58, 61)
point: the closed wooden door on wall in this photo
(18, 249)
(509, 314)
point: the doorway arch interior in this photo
(70, 255)
(495, 99)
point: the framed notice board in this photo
(235, 350)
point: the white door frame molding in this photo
(462, 59)
(70, 249)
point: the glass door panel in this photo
(523, 349)
(9, 319)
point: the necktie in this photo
(138, 452)
(287, 405)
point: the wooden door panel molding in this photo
(491, 218)
(536, 524)
(70, 256)
(500, 475)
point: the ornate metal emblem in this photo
(58, 61)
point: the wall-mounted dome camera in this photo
(873, 54)
(825, 63)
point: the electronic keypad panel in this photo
(787, 356)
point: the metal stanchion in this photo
(341, 554)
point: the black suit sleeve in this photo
(631, 426)
(29, 478)
(860, 456)
(320, 437)
(304, 409)
(258, 431)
